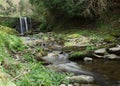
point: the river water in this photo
(109, 69)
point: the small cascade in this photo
(21, 25)
(25, 25)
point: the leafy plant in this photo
(92, 47)
(71, 8)
(9, 42)
(40, 76)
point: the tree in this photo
(8, 9)
(71, 8)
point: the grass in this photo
(8, 42)
(102, 32)
(40, 76)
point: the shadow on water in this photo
(110, 70)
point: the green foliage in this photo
(40, 76)
(77, 54)
(40, 10)
(9, 42)
(7, 30)
(8, 9)
(70, 8)
(4, 80)
(91, 48)
(7, 22)
(65, 7)
(28, 57)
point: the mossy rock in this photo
(79, 55)
(110, 39)
(7, 30)
(39, 55)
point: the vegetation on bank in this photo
(32, 73)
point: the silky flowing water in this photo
(109, 69)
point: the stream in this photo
(109, 69)
(100, 69)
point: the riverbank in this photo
(57, 48)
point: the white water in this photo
(26, 24)
(23, 25)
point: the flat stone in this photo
(112, 56)
(69, 85)
(115, 50)
(63, 85)
(81, 79)
(88, 59)
(100, 51)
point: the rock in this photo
(114, 50)
(88, 59)
(69, 85)
(63, 85)
(56, 57)
(31, 41)
(38, 55)
(77, 84)
(51, 57)
(112, 57)
(98, 56)
(81, 79)
(100, 51)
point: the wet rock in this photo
(77, 84)
(88, 59)
(81, 79)
(56, 57)
(70, 85)
(100, 52)
(112, 57)
(114, 50)
(80, 55)
(98, 56)
(31, 41)
(63, 85)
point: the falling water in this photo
(24, 25)
(21, 24)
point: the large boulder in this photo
(100, 53)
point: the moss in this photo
(7, 30)
(9, 43)
(73, 35)
(80, 54)
(110, 39)
(77, 54)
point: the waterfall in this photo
(21, 24)
(24, 26)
